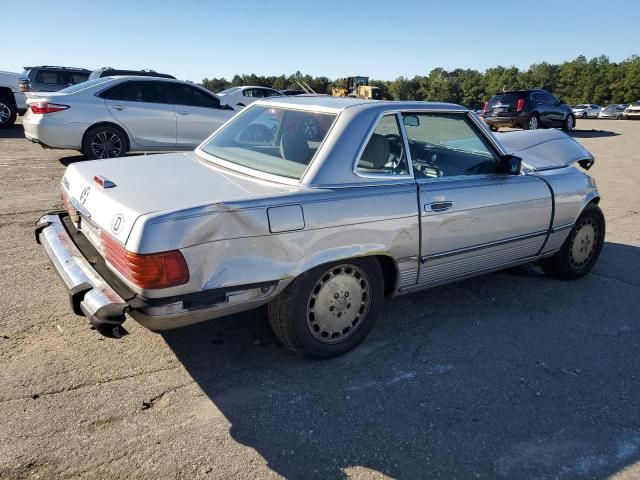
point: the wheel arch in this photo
(7, 93)
(107, 124)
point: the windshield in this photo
(581, 106)
(229, 90)
(81, 86)
(277, 141)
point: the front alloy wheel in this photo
(533, 123)
(581, 249)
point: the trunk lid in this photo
(152, 183)
(546, 149)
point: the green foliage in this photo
(576, 81)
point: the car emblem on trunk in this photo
(117, 223)
(84, 195)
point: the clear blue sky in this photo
(381, 39)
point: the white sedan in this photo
(586, 110)
(108, 117)
(240, 97)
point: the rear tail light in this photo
(73, 213)
(24, 86)
(486, 107)
(46, 107)
(520, 104)
(149, 271)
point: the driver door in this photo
(472, 217)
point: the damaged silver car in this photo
(320, 208)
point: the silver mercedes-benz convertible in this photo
(320, 208)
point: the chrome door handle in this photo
(438, 206)
(183, 113)
(118, 107)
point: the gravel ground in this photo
(505, 376)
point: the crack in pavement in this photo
(87, 385)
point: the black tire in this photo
(570, 123)
(564, 265)
(8, 112)
(113, 140)
(292, 314)
(530, 125)
(584, 114)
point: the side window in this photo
(191, 96)
(48, 76)
(270, 93)
(385, 153)
(447, 145)
(74, 78)
(136, 91)
(550, 98)
(538, 97)
(248, 93)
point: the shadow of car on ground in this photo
(592, 133)
(500, 376)
(15, 131)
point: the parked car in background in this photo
(242, 96)
(108, 117)
(613, 111)
(528, 109)
(112, 72)
(12, 100)
(632, 112)
(586, 110)
(292, 91)
(320, 231)
(48, 78)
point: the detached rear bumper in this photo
(89, 294)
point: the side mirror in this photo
(510, 164)
(411, 121)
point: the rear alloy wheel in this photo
(330, 309)
(581, 249)
(104, 142)
(8, 113)
(533, 123)
(569, 123)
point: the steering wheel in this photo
(396, 146)
(256, 133)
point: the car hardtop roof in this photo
(523, 90)
(254, 86)
(337, 104)
(57, 67)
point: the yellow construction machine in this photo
(357, 87)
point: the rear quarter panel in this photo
(234, 245)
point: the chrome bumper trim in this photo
(90, 295)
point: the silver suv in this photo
(48, 78)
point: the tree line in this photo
(597, 80)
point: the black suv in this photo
(48, 78)
(528, 109)
(111, 72)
